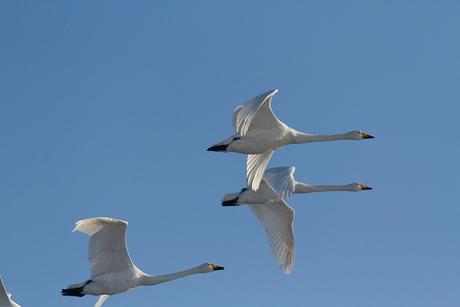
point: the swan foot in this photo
(75, 291)
(218, 148)
(231, 202)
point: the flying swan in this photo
(267, 203)
(259, 133)
(5, 298)
(112, 269)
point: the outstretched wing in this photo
(4, 296)
(280, 180)
(255, 114)
(277, 219)
(101, 300)
(256, 165)
(107, 251)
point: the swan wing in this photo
(107, 251)
(4, 296)
(255, 114)
(256, 165)
(101, 300)
(280, 180)
(277, 219)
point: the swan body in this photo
(113, 271)
(5, 298)
(277, 217)
(259, 133)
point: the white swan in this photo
(267, 203)
(5, 298)
(259, 133)
(112, 269)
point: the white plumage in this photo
(111, 266)
(259, 133)
(5, 297)
(277, 217)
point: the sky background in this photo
(107, 109)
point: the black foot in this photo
(218, 148)
(75, 291)
(232, 202)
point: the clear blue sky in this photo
(107, 109)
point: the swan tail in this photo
(75, 290)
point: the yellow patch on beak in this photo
(366, 136)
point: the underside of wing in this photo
(280, 180)
(256, 165)
(101, 300)
(4, 296)
(277, 219)
(255, 114)
(107, 251)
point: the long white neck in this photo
(300, 137)
(150, 280)
(307, 188)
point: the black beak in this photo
(218, 268)
(367, 188)
(367, 136)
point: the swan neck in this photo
(150, 280)
(307, 188)
(300, 137)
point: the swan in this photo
(259, 133)
(112, 269)
(5, 298)
(277, 218)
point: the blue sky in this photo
(107, 109)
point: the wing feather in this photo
(280, 180)
(277, 219)
(107, 251)
(256, 165)
(4, 296)
(101, 300)
(255, 114)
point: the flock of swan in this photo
(258, 134)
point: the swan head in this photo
(359, 135)
(209, 267)
(359, 187)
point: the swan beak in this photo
(364, 187)
(217, 268)
(366, 136)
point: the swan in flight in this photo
(259, 133)
(267, 203)
(5, 298)
(112, 269)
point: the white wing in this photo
(101, 300)
(280, 180)
(277, 219)
(256, 167)
(255, 114)
(4, 297)
(107, 252)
